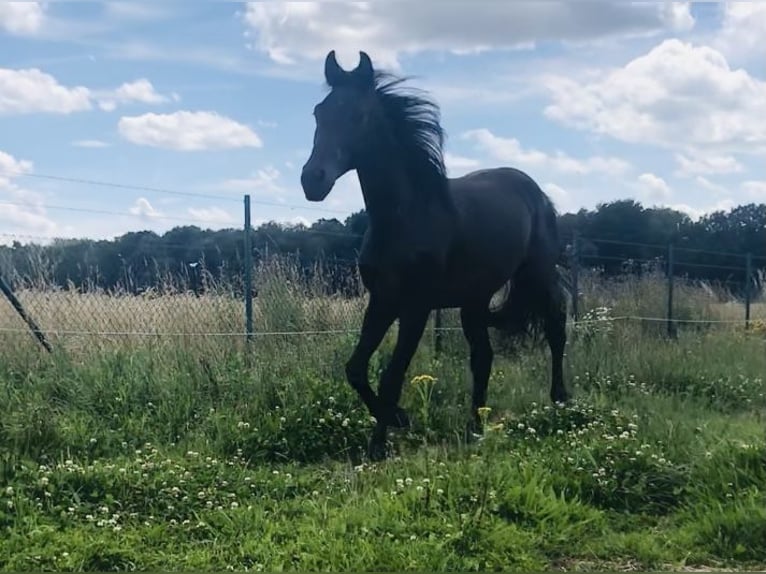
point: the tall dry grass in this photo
(287, 303)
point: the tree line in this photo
(615, 237)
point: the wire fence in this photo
(278, 295)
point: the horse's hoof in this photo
(473, 431)
(471, 436)
(376, 451)
(399, 419)
(560, 396)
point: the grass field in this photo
(179, 452)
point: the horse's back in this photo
(498, 197)
(501, 211)
(507, 182)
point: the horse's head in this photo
(341, 123)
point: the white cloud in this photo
(264, 181)
(31, 90)
(675, 95)
(654, 187)
(212, 215)
(140, 90)
(11, 167)
(677, 16)
(742, 30)
(34, 91)
(560, 196)
(710, 186)
(22, 210)
(187, 131)
(695, 213)
(144, 209)
(755, 189)
(21, 18)
(510, 150)
(458, 163)
(90, 143)
(706, 164)
(291, 31)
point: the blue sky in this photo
(663, 102)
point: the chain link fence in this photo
(288, 300)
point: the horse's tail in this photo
(538, 282)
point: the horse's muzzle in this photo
(316, 183)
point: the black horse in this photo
(432, 241)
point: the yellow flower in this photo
(423, 379)
(484, 411)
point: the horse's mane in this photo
(415, 122)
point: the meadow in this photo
(154, 437)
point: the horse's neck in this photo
(403, 218)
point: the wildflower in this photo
(423, 379)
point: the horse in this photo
(432, 242)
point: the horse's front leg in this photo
(412, 322)
(378, 317)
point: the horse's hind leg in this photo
(474, 321)
(556, 335)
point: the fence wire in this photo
(288, 304)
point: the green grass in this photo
(158, 458)
(182, 452)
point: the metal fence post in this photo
(671, 325)
(575, 263)
(248, 261)
(748, 282)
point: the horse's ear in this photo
(333, 73)
(364, 72)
